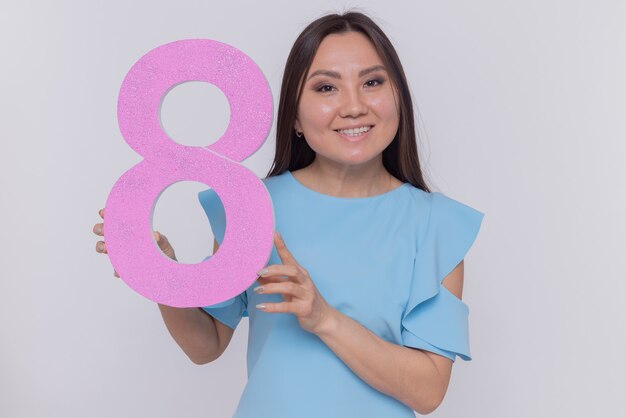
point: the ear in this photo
(297, 126)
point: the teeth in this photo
(354, 132)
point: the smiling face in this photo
(348, 111)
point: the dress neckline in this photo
(342, 199)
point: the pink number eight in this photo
(249, 232)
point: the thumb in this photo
(163, 244)
(160, 238)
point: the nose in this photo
(352, 104)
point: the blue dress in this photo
(379, 260)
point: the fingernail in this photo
(98, 229)
(260, 306)
(261, 272)
(100, 246)
(258, 289)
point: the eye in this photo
(324, 88)
(374, 82)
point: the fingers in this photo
(159, 237)
(272, 279)
(282, 307)
(98, 229)
(281, 249)
(280, 273)
(161, 240)
(101, 247)
(280, 270)
(285, 288)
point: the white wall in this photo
(523, 104)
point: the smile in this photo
(354, 132)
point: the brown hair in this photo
(400, 158)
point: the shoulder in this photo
(274, 181)
(437, 212)
(210, 197)
(279, 186)
(444, 208)
(436, 201)
(420, 202)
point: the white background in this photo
(522, 116)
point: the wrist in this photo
(329, 324)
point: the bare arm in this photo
(199, 335)
(418, 378)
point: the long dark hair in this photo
(400, 158)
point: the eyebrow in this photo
(335, 74)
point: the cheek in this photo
(386, 108)
(316, 115)
(326, 110)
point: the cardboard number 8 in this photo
(248, 238)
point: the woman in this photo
(359, 311)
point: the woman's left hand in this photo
(300, 295)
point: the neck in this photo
(348, 181)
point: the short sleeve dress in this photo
(380, 260)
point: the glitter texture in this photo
(248, 240)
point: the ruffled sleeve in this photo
(435, 319)
(232, 310)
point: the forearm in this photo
(403, 373)
(194, 331)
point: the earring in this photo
(299, 134)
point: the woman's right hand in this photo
(161, 239)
